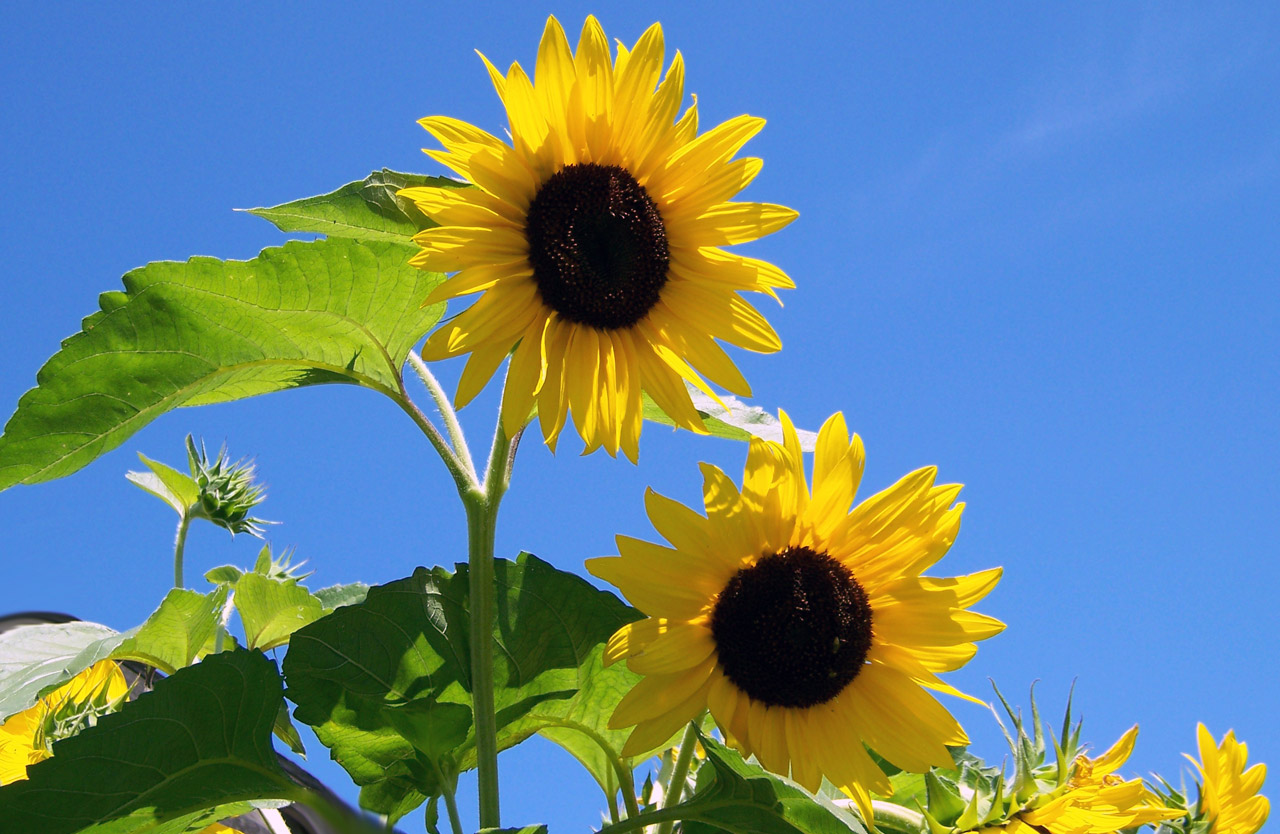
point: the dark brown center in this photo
(793, 629)
(597, 246)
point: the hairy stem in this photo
(679, 773)
(180, 544)
(438, 396)
(482, 517)
(463, 477)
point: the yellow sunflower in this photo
(595, 238)
(25, 737)
(806, 628)
(1095, 800)
(1229, 795)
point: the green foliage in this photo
(272, 610)
(200, 741)
(386, 683)
(367, 209)
(168, 484)
(737, 796)
(35, 659)
(177, 632)
(208, 331)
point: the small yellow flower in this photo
(1094, 800)
(595, 239)
(806, 628)
(1229, 795)
(26, 737)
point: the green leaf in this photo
(271, 610)
(367, 209)
(200, 740)
(733, 795)
(286, 732)
(336, 596)
(739, 422)
(176, 632)
(581, 724)
(208, 331)
(224, 575)
(35, 659)
(386, 682)
(168, 484)
(527, 829)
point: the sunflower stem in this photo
(482, 517)
(179, 545)
(441, 399)
(679, 773)
(463, 478)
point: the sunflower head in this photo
(27, 737)
(1092, 799)
(804, 625)
(594, 239)
(1229, 798)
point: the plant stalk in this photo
(451, 804)
(180, 544)
(441, 399)
(482, 517)
(679, 773)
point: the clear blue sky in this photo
(1037, 247)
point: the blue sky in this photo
(1037, 247)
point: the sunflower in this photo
(595, 239)
(806, 629)
(1095, 800)
(25, 737)
(1229, 795)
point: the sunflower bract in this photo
(595, 242)
(806, 627)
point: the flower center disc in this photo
(793, 629)
(597, 246)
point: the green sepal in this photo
(942, 798)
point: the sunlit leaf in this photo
(367, 209)
(207, 331)
(737, 796)
(272, 610)
(176, 632)
(175, 488)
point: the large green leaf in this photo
(176, 632)
(38, 658)
(200, 740)
(208, 331)
(272, 610)
(367, 209)
(737, 796)
(386, 683)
